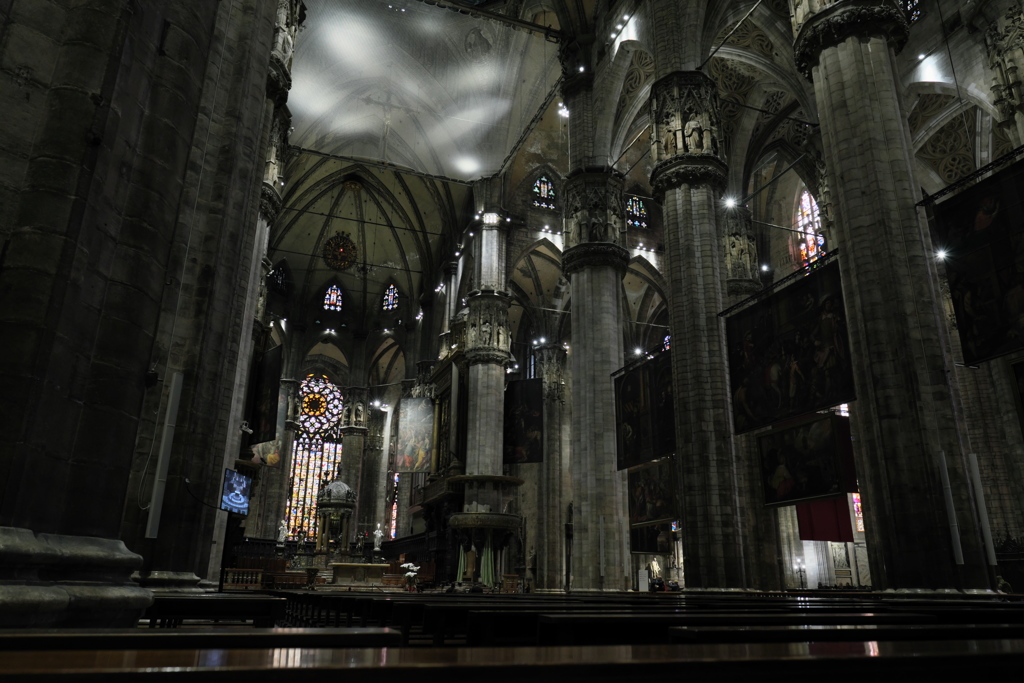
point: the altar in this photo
(358, 573)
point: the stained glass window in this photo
(667, 344)
(315, 456)
(544, 193)
(808, 222)
(636, 213)
(858, 512)
(391, 298)
(912, 9)
(394, 507)
(332, 298)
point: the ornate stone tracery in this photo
(1005, 43)
(686, 141)
(594, 208)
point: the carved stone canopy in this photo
(685, 119)
(594, 207)
(835, 23)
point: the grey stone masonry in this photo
(688, 179)
(595, 264)
(900, 355)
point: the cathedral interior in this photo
(486, 285)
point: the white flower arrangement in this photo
(410, 572)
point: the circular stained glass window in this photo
(321, 404)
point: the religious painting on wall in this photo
(808, 460)
(663, 415)
(265, 401)
(789, 354)
(651, 538)
(524, 422)
(633, 418)
(644, 411)
(980, 240)
(652, 493)
(415, 435)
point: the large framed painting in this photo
(651, 538)
(980, 237)
(652, 492)
(415, 435)
(807, 460)
(789, 354)
(524, 422)
(644, 412)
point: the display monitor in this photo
(235, 494)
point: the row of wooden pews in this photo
(597, 637)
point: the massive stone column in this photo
(688, 177)
(906, 435)
(117, 191)
(595, 264)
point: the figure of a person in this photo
(694, 134)
(378, 536)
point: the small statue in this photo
(378, 536)
(694, 133)
(359, 413)
(282, 531)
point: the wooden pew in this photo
(835, 662)
(196, 639)
(169, 611)
(652, 628)
(820, 633)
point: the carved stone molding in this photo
(480, 356)
(590, 255)
(687, 170)
(685, 118)
(270, 202)
(1004, 41)
(850, 18)
(593, 207)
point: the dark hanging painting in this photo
(264, 413)
(811, 459)
(652, 493)
(789, 354)
(644, 416)
(979, 235)
(1018, 381)
(651, 538)
(415, 435)
(524, 422)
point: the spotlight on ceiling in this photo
(730, 202)
(941, 254)
(639, 352)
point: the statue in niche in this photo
(709, 137)
(694, 135)
(359, 413)
(471, 335)
(348, 414)
(485, 333)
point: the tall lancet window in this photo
(316, 454)
(808, 223)
(912, 9)
(332, 298)
(544, 193)
(636, 213)
(390, 298)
